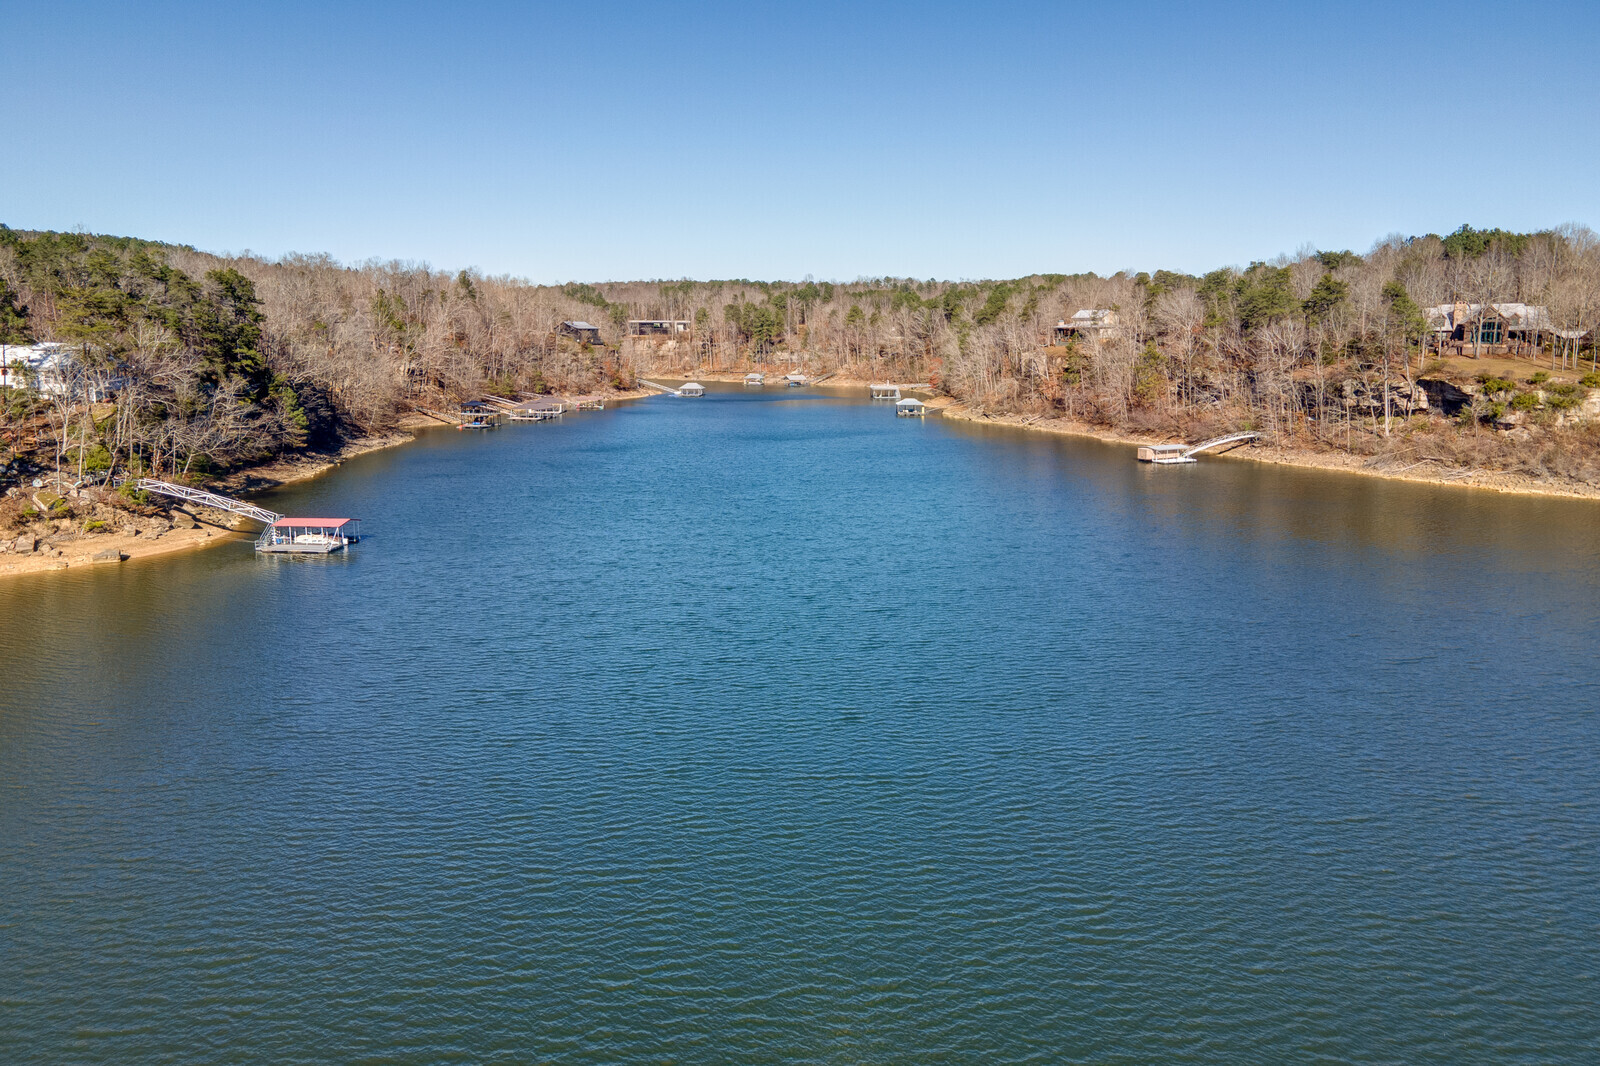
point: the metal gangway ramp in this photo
(207, 499)
(1217, 442)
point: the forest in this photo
(188, 363)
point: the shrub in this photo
(96, 460)
(1590, 380)
(93, 525)
(1539, 377)
(1493, 386)
(1525, 401)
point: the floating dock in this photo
(475, 414)
(536, 410)
(308, 536)
(1168, 454)
(282, 536)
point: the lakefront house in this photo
(54, 369)
(1488, 329)
(1093, 322)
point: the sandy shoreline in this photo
(1427, 473)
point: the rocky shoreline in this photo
(116, 535)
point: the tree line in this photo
(222, 360)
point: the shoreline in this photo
(1335, 462)
(1425, 473)
(78, 554)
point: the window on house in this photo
(1490, 332)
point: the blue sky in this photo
(626, 140)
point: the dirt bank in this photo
(1430, 473)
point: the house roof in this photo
(579, 325)
(908, 402)
(36, 356)
(1089, 318)
(1516, 315)
(311, 523)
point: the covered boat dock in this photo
(309, 536)
(536, 410)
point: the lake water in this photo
(770, 727)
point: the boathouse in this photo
(308, 536)
(910, 408)
(536, 410)
(755, 379)
(588, 403)
(1163, 453)
(884, 392)
(693, 388)
(475, 414)
(582, 332)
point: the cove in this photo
(768, 726)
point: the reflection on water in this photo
(771, 726)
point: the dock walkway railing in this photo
(207, 499)
(1217, 442)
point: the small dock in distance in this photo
(1168, 454)
(536, 410)
(476, 414)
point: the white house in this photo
(53, 369)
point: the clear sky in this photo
(607, 141)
